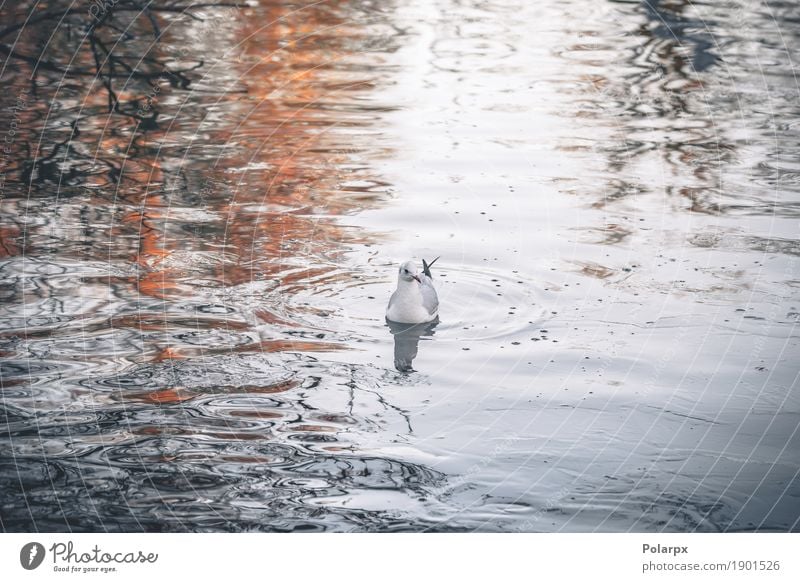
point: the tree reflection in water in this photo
(174, 198)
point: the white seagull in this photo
(415, 299)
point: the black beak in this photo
(416, 277)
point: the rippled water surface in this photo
(202, 214)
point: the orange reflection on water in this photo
(287, 168)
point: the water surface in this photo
(202, 217)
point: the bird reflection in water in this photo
(406, 341)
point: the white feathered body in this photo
(413, 301)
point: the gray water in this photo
(195, 266)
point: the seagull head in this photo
(408, 272)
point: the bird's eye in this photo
(405, 271)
